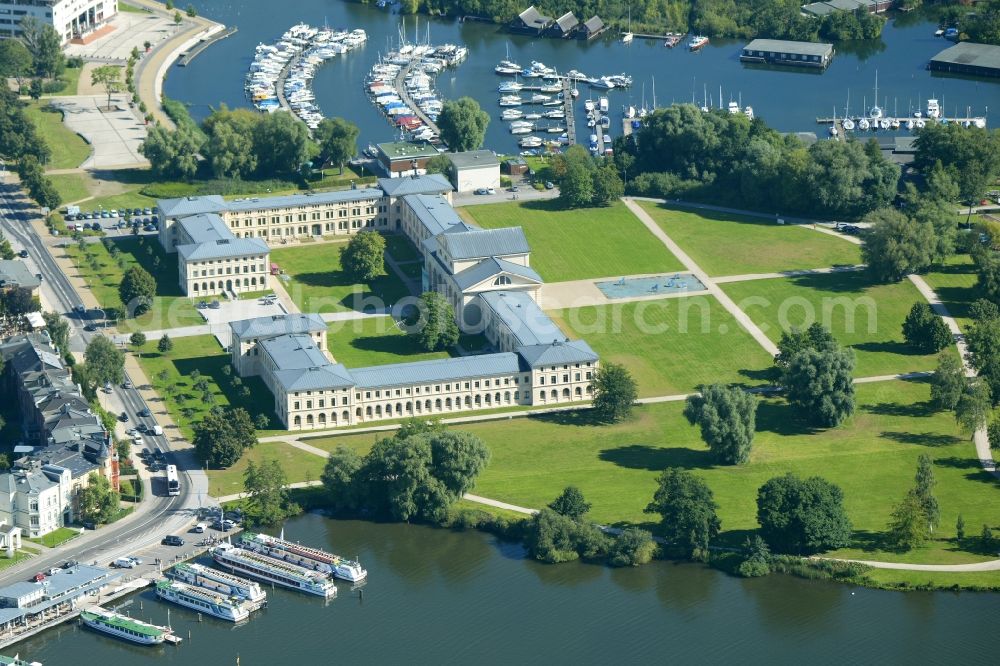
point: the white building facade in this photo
(72, 19)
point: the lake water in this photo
(787, 99)
(436, 596)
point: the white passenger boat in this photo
(125, 627)
(202, 600)
(304, 556)
(261, 567)
(219, 581)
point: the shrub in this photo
(632, 548)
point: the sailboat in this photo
(848, 124)
(628, 36)
(833, 128)
(876, 112)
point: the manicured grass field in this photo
(71, 81)
(125, 7)
(170, 308)
(724, 244)
(71, 187)
(319, 284)
(582, 243)
(872, 457)
(130, 199)
(955, 284)
(56, 537)
(671, 346)
(298, 466)
(865, 316)
(69, 150)
(176, 389)
(401, 248)
(374, 341)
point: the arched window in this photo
(506, 396)
(502, 281)
(333, 418)
(437, 404)
(554, 395)
(578, 391)
(447, 403)
(468, 401)
(322, 419)
(565, 392)
(479, 400)
(297, 422)
(309, 420)
(427, 405)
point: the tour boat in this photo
(125, 627)
(268, 569)
(16, 661)
(220, 581)
(697, 42)
(205, 601)
(304, 556)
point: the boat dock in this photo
(404, 95)
(600, 138)
(902, 120)
(567, 93)
(190, 55)
(661, 38)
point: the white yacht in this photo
(933, 108)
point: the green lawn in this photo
(56, 537)
(71, 187)
(19, 556)
(672, 345)
(130, 199)
(69, 150)
(865, 316)
(319, 284)
(582, 243)
(176, 388)
(125, 7)
(374, 341)
(724, 244)
(170, 307)
(71, 81)
(401, 248)
(872, 457)
(955, 284)
(298, 465)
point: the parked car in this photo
(199, 528)
(113, 212)
(124, 417)
(144, 412)
(90, 328)
(126, 384)
(549, 185)
(490, 190)
(172, 540)
(96, 226)
(149, 227)
(214, 305)
(137, 211)
(147, 211)
(202, 304)
(69, 564)
(124, 563)
(157, 430)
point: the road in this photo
(157, 515)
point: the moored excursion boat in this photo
(262, 567)
(304, 556)
(202, 600)
(17, 661)
(220, 581)
(126, 628)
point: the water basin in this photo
(651, 286)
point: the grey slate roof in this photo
(269, 327)
(567, 22)
(593, 24)
(532, 18)
(818, 9)
(483, 243)
(474, 158)
(191, 205)
(970, 54)
(557, 353)
(434, 213)
(786, 46)
(27, 482)
(294, 351)
(204, 228)
(433, 183)
(221, 249)
(437, 370)
(487, 268)
(336, 196)
(521, 314)
(14, 273)
(325, 377)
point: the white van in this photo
(157, 430)
(124, 563)
(200, 528)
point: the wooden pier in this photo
(567, 93)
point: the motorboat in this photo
(507, 68)
(748, 112)
(511, 114)
(602, 104)
(510, 86)
(933, 108)
(588, 105)
(511, 100)
(530, 142)
(522, 130)
(697, 42)
(733, 108)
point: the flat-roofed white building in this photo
(474, 169)
(72, 19)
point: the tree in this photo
(607, 185)
(169, 5)
(756, 558)
(221, 437)
(58, 329)
(727, 418)
(136, 290)
(338, 140)
(925, 330)
(262, 421)
(363, 258)
(960, 528)
(108, 77)
(614, 392)
(15, 61)
(439, 164)
(340, 479)
(631, 548)
(924, 489)
(45, 46)
(177, 18)
(993, 433)
(983, 339)
(191, 11)
(895, 246)
(687, 508)
(908, 526)
(97, 502)
(802, 515)
(463, 124)
(576, 187)
(165, 344)
(397, 480)
(948, 382)
(570, 503)
(19, 301)
(439, 330)
(35, 90)
(172, 155)
(816, 337)
(268, 500)
(105, 362)
(229, 146)
(551, 537)
(457, 459)
(820, 385)
(137, 340)
(281, 143)
(974, 406)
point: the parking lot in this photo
(110, 221)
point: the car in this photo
(41, 278)
(131, 431)
(137, 211)
(850, 229)
(144, 411)
(113, 212)
(481, 190)
(221, 526)
(126, 384)
(214, 305)
(124, 417)
(69, 564)
(142, 428)
(514, 188)
(105, 215)
(123, 563)
(147, 211)
(490, 190)
(86, 225)
(202, 304)
(549, 185)
(157, 430)
(155, 220)
(90, 328)
(89, 525)
(199, 528)
(122, 224)
(149, 227)
(96, 226)
(79, 309)
(172, 540)
(69, 217)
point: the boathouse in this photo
(564, 25)
(530, 22)
(404, 159)
(968, 58)
(591, 28)
(783, 52)
(830, 6)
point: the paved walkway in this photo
(747, 277)
(582, 293)
(696, 270)
(115, 135)
(131, 30)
